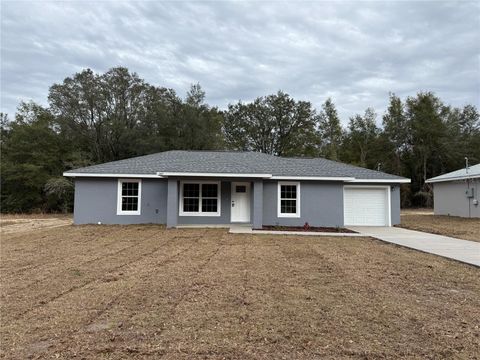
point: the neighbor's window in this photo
(200, 199)
(129, 194)
(289, 199)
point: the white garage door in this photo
(366, 206)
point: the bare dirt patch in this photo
(146, 292)
(417, 211)
(29, 222)
(462, 228)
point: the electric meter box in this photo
(469, 193)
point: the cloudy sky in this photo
(354, 52)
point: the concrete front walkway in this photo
(452, 248)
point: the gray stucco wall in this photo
(321, 204)
(257, 204)
(395, 204)
(96, 201)
(449, 198)
(172, 203)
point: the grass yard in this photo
(423, 220)
(110, 292)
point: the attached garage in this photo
(367, 205)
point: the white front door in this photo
(240, 206)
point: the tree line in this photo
(94, 118)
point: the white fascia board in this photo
(433, 180)
(321, 178)
(382, 181)
(166, 174)
(131, 176)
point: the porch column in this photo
(172, 203)
(257, 204)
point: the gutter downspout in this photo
(469, 200)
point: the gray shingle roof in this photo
(473, 172)
(232, 162)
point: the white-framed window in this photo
(129, 196)
(288, 204)
(199, 198)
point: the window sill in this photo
(198, 214)
(288, 216)
(129, 213)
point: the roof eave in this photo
(383, 181)
(110, 175)
(463, 177)
(312, 178)
(200, 174)
(160, 175)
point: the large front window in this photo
(200, 199)
(288, 199)
(128, 197)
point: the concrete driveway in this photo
(452, 248)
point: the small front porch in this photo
(214, 202)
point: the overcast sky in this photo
(354, 52)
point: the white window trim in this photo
(119, 197)
(388, 191)
(279, 208)
(200, 213)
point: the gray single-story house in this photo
(457, 193)
(224, 187)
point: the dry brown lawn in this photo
(111, 292)
(462, 228)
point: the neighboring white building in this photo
(457, 193)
